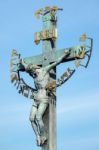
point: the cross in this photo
(50, 55)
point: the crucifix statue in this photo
(42, 69)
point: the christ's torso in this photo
(41, 80)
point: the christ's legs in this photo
(34, 124)
(39, 114)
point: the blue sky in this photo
(77, 100)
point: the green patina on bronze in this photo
(42, 68)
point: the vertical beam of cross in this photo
(49, 22)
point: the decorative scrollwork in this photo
(65, 76)
(41, 11)
(89, 52)
(85, 53)
(20, 84)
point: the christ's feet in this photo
(43, 140)
(38, 140)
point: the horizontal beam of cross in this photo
(52, 56)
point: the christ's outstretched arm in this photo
(66, 54)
